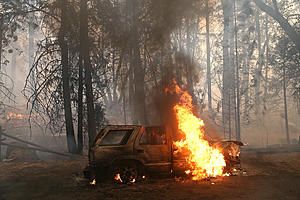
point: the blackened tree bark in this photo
(208, 73)
(80, 83)
(31, 42)
(138, 71)
(266, 63)
(88, 70)
(237, 76)
(62, 39)
(227, 8)
(1, 38)
(188, 62)
(13, 63)
(285, 108)
(258, 73)
(80, 104)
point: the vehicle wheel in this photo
(127, 172)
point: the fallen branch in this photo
(40, 148)
(32, 148)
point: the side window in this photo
(116, 137)
(153, 136)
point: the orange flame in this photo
(118, 178)
(203, 160)
(133, 180)
(14, 116)
(93, 182)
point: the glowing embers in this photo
(118, 178)
(93, 182)
(15, 116)
(10, 116)
(203, 160)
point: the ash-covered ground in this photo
(268, 176)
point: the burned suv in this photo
(126, 153)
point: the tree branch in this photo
(276, 15)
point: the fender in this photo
(127, 157)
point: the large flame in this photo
(203, 160)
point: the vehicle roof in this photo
(122, 126)
(131, 126)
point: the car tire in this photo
(127, 172)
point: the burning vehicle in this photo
(126, 153)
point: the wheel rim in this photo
(129, 174)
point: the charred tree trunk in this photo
(259, 69)
(285, 108)
(13, 64)
(237, 122)
(138, 71)
(188, 61)
(0, 143)
(266, 64)
(88, 71)
(63, 43)
(80, 106)
(266, 78)
(1, 39)
(208, 73)
(31, 42)
(80, 84)
(227, 12)
(177, 62)
(131, 94)
(246, 74)
(232, 69)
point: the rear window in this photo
(116, 137)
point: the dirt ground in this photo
(267, 176)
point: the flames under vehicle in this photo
(126, 153)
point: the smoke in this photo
(167, 15)
(155, 19)
(151, 23)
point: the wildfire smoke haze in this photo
(203, 160)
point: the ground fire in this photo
(11, 115)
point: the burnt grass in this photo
(266, 176)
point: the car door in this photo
(153, 146)
(115, 142)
